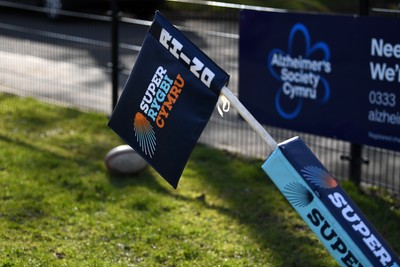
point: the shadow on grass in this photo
(252, 201)
(146, 179)
(257, 205)
(143, 178)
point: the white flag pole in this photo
(247, 116)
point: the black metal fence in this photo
(78, 60)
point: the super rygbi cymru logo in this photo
(301, 71)
(157, 103)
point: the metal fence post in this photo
(355, 163)
(364, 7)
(356, 159)
(114, 51)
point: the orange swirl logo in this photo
(145, 134)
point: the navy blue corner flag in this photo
(168, 99)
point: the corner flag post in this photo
(319, 200)
(174, 85)
(248, 117)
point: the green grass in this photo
(60, 206)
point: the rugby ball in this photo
(123, 160)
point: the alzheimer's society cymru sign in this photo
(335, 76)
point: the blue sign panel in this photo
(335, 76)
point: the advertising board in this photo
(330, 75)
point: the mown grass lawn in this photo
(60, 206)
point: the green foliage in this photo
(60, 206)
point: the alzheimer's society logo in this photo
(301, 70)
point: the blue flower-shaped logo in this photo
(301, 71)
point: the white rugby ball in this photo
(124, 160)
